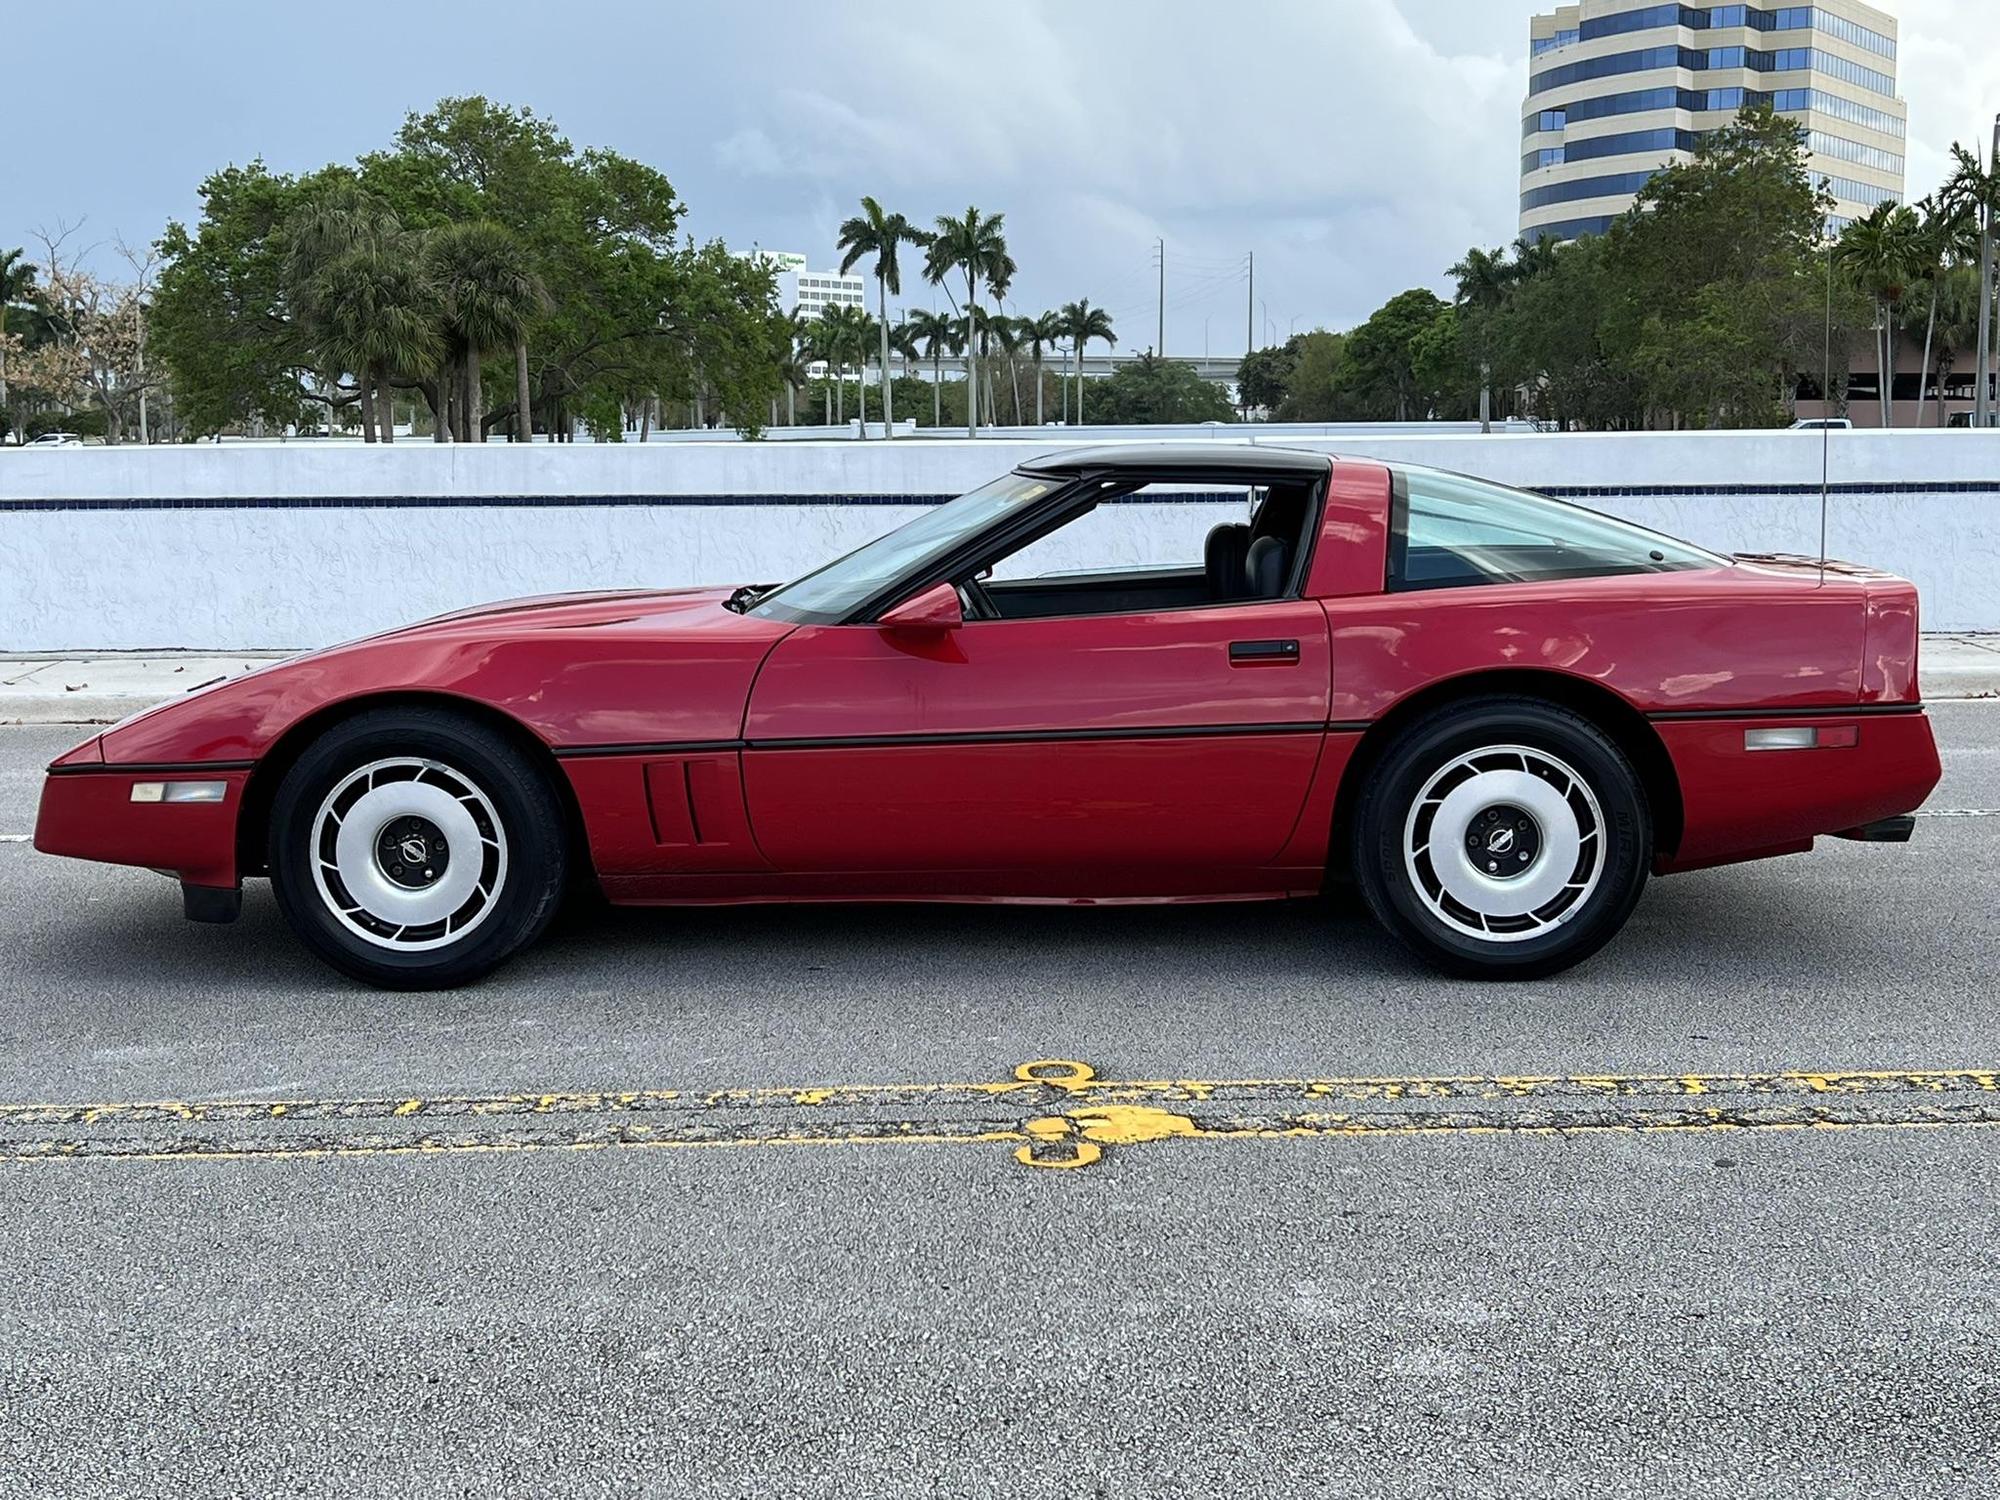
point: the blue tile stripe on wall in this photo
(1190, 497)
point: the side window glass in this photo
(1160, 528)
(1453, 531)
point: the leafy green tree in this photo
(1443, 366)
(873, 232)
(1380, 373)
(1150, 389)
(1263, 376)
(974, 246)
(1551, 341)
(17, 279)
(1315, 379)
(222, 322)
(633, 311)
(1741, 215)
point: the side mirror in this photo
(935, 609)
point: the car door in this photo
(1156, 744)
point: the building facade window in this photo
(1820, 143)
(1695, 60)
(1613, 185)
(1570, 229)
(1755, 18)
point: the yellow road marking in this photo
(1058, 1113)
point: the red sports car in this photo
(1494, 712)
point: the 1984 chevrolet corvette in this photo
(1493, 712)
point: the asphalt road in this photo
(624, 1221)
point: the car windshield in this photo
(832, 593)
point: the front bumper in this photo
(87, 812)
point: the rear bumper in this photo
(1863, 780)
(87, 812)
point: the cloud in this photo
(1357, 146)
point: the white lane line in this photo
(1959, 812)
(15, 838)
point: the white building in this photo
(1619, 88)
(809, 291)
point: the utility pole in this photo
(1160, 349)
(1982, 402)
(1249, 325)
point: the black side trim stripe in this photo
(975, 737)
(162, 768)
(1836, 711)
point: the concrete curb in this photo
(102, 688)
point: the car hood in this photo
(580, 610)
(607, 667)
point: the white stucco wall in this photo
(298, 574)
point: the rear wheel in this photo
(1503, 838)
(416, 849)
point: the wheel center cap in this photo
(412, 852)
(1504, 842)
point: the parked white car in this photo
(1822, 424)
(55, 440)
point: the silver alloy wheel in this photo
(1504, 844)
(408, 853)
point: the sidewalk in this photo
(106, 686)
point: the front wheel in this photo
(1503, 838)
(415, 849)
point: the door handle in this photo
(1264, 653)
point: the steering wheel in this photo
(976, 602)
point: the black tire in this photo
(1404, 879)
(513, 847)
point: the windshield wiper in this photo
(746, 596)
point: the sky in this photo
(1357, 147)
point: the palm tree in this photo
(1881, 252)
(861, 336)
(1974, 189)
(935, 334)
(1948, 238)
(1484, 279)
(872, 232)
(1957, 322)
(1083, 324)
(975, 246)
(378, 319)
(1044, 332)
(16, 277)
(1534, 256)
(840, 333)
(795, 338)
(1007, 334)
(489, 297)
(343, 244)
